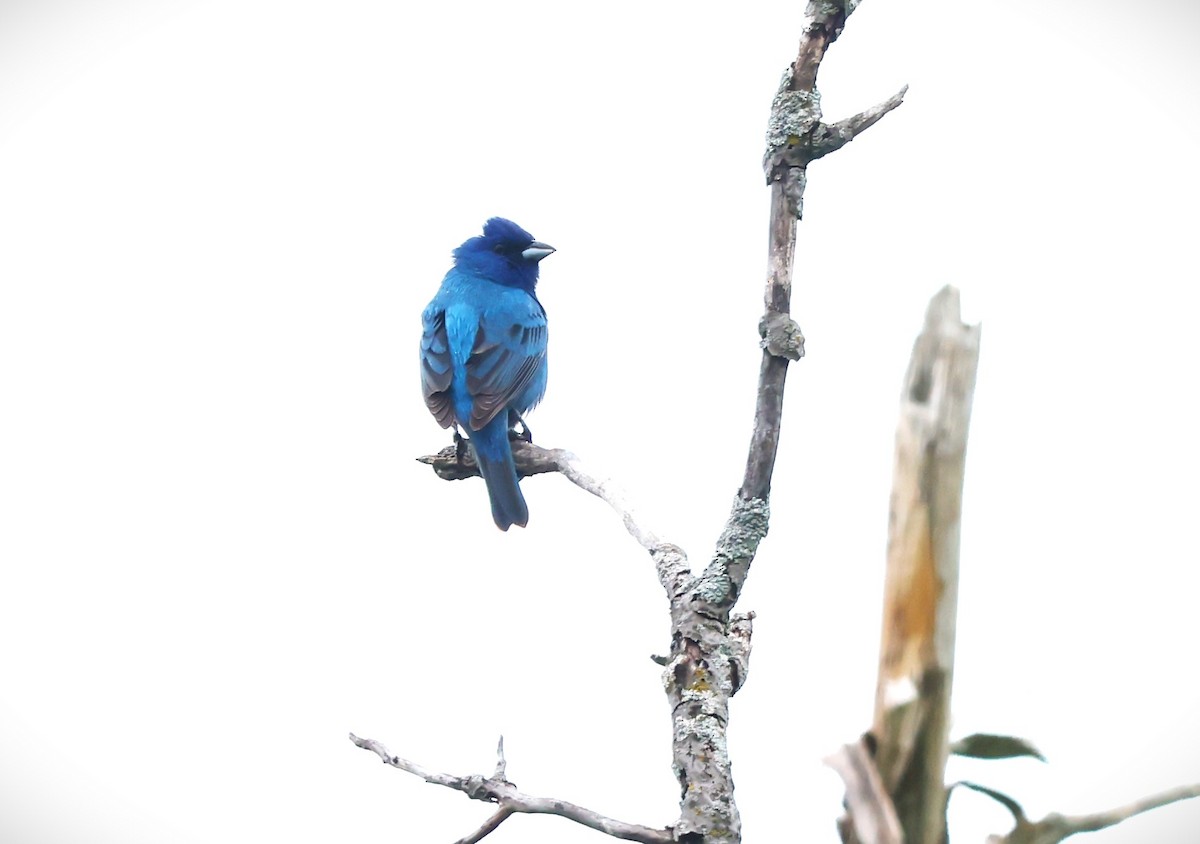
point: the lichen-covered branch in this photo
(1055, 827)
(796, 137)
(496, 789)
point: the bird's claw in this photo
(515, 419)
(522, 435)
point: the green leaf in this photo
(1003, 799)
(987, 746)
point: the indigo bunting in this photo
(483, 353)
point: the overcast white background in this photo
(219, 222)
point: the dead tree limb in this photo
(496, 789)
(916, 661)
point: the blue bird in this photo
(483, 353)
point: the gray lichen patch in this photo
(794, 114)
(718, 587)
(829, 8)
(747, 526)
(706, 702)
(714, 587)
(781, 336)
(709, 732)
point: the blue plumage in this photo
(483, 352)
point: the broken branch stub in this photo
(916, 659)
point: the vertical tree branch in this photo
(912, 703)
(709, 649)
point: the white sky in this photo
(219, 222)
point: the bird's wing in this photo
(437, 368)
(510, 348)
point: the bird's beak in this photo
(537, 251)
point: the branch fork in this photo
(796, 134)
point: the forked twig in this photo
(496, 789)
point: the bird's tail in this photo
(494, 455)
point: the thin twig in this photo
(674, 571)
(1055, 827)
(489, 826)
(501, 765)
(493, 790)
(832, 137)
(1102, 820)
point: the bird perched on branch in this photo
(483, 353)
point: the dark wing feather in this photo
(436, 367)
(504, 361)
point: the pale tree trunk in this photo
(895, 787)
(916, 659)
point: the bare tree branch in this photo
(703, 674)
(794, 133)
(498, 790)
(671, 563)
(488, 827)
(831, 137)
(501, 765)
(1055, 827)
(1102, 820)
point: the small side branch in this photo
(671, 563)
(1102, 820)
(831, 137)
(1055, 827)
(496, 789)
(501, 763)
(488, 827)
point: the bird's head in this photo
(505, 253)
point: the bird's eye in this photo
(498, 248)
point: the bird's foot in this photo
(522, 435)
(460, 448)
(515, 419)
